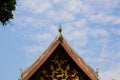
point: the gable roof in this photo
(59, 40)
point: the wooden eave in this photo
(59, 40)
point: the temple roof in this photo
(59, 40)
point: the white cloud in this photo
(42, 37)
(105, 19)
(32, 49)
(39, 37)
(99, 32)
(117, 20)
(76, 34)
(101, 17)
(60, 16)
(37, 6)
(73, 6)
(67, 10)
(81, 23)
(103, 5)
(112, 73)
(56, 1)
(115, 30)
(77, 7)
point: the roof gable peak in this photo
(59, 40)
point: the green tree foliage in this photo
(6, 10)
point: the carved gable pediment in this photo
(59, 66)
(59, 62)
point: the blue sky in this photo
(91, 27)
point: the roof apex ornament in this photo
(60, 30)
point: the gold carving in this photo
(59, 69)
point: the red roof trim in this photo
(76, 61)
(43, 60)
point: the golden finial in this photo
(60, 28)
